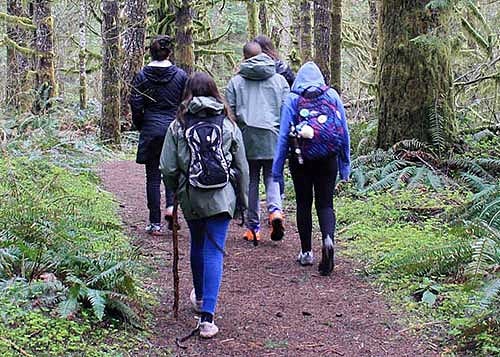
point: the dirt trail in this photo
(269, 305)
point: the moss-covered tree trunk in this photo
(264, 26)
(18, 64)
(46, 85)
(133, 45)
(372, 4)
(82, 55)
(110, 118)
(252, 19)
(184, 51)
(294, 55)
(322, 28)
(305, 31)
(336, 46)
(415, 81)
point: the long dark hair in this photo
(267, 46)
(200, 84)
(161, 47)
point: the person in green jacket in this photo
(255, 95)
(207, 211)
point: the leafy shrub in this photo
(59, 228)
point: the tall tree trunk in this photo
(82, 56)
(372, 4)
(134, 39)
(322, 25)
(110, 118)
(415, 81)
(336, 46)
(264, 28)
(253, 19)
(184, 52)
(46, 85)
(295, 53)
(305, 31)
(18, 65)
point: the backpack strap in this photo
(312, 95)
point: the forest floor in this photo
(268, 305)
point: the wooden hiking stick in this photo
(175, 264)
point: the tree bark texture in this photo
(253, 19)
(294, 55)
(372, 4)
(264, 28)
(133, 45)
(110, 118)
(46, 85)
(322, 28)
(336, 46)
(414, 75)
(82, 55)
(18, 65)
(305, 31)
(184, 53)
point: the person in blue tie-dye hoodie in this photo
(318, 175)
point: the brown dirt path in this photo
(269, 305)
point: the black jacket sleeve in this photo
(137, 100)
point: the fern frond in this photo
(68, 307)
(436, 260)
(383, 184)
(485, 250)
(417, 178)
(109, 273)
(491, 293)
(410, 145)
(436, 127)
(97, 299)
(470, 166)
(359, 177)
(434, 180)
(393, 166)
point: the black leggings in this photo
(153, 183)
(319, 175)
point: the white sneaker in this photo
(196, 303)
(305, 258)
(208, 329)
(153, 229)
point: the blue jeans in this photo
(153, 184)
(273, 196)
(208, 239)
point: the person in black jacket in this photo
(281, 67)
(155, 97)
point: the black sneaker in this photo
(325, 267)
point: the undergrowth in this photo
(427, 227)
(67, 272)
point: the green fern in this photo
(441, 260)
(491, 294)
(485, 250)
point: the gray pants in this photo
(273, 197)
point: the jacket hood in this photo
(205, 106)
(258, 68)
(160, 74)
(309, 75)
